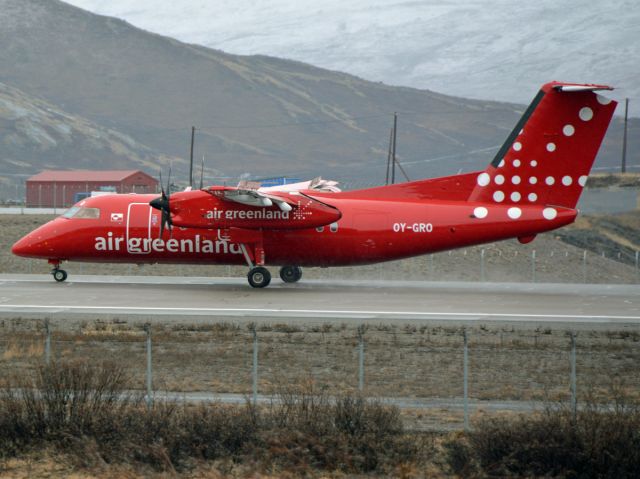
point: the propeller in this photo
(162, 204)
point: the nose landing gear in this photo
(58, 274)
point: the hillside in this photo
(32, 128)
(501, 53)
(256, 115)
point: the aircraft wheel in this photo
(259, 277)
(59, 275)
(290, 274)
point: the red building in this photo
(59, 189)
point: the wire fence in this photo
(441, 377)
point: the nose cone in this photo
(36, 244)
(22, 247)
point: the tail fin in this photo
(547, 157)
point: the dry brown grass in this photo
(400, 360)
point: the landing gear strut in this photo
(290, 274)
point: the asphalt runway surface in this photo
(204, 299)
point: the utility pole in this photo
(193, 135)
(386, 181)
(624, 137)
(393, 151)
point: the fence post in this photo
(255, 365)
(637, 270)
(574, 399)
(482, 277)
(47, 342)
(466, 379)
(584, 266)
(361, 358)
(147, 328)
(533, 266)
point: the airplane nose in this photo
(37, 244)
(24, 247)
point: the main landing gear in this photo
(259, 276)
(290, 274)
(58, 274)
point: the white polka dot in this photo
(514, 213)
(550, 180)
(567, 180)
(549, 213)
(534, 163)
(603, 100)
(551, 147)
(483, 179)
(501, 164)
(532, 197)
(516, 163)
(568, 130)
(515, 197)
(533, 180)
(499, 179)
(582, 180)
(585, 113)
(480, 212)
(515, 180)
(517, 146)
(498, 196)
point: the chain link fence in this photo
(438, 379)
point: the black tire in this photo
(290, 274)
(259, 277)
(59, 275)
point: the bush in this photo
(602, 442)
(85, 411)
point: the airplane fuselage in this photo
(127, 230)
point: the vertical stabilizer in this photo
(549, 154)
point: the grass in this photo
(400, 360)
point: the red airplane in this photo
(531, 186)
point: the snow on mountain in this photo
(499, 50)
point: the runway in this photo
(201, 299)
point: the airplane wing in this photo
(248, 193)
(252, 194)
(317, 184)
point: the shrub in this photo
(601, 442)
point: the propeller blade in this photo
(162, 204)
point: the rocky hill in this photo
(254, 114)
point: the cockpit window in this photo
(82, 212)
